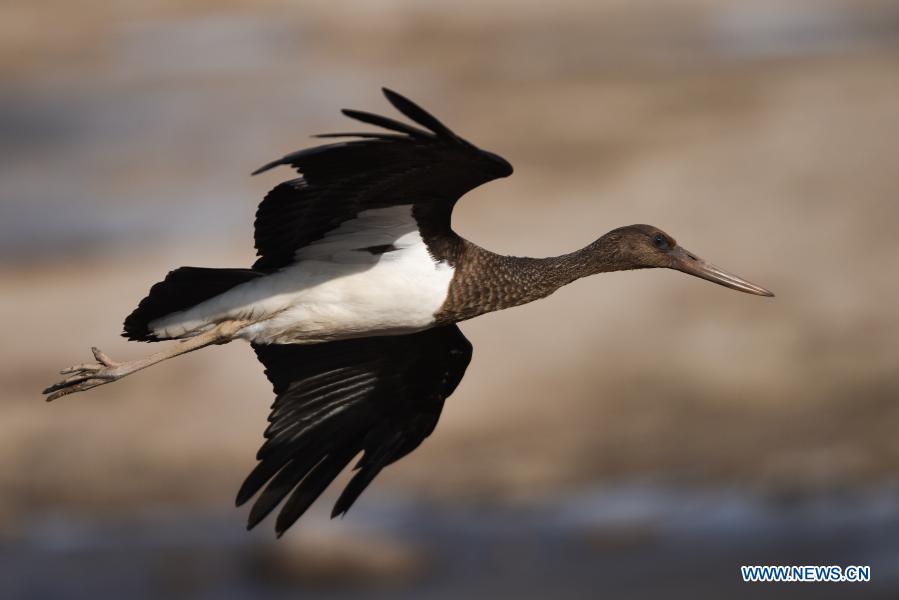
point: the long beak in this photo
(689, 263)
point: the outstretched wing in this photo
(428, 168)
(379, 395)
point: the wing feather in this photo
(381, 396)
(378, 170)
(418, 114)
(385, 122)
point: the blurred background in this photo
(634, 434)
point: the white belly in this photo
(335, 290)
(398, 293)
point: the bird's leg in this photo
(105, 370)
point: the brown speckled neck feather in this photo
(485, 281)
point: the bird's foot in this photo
(86, 376)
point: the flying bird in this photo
(353, 303)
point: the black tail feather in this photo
(180, 290)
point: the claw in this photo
(72, 388)
(103, 358)
(81, 367)
(85, 376)
(105, 370)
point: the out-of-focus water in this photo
(638, 540)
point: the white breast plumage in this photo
(337, 288)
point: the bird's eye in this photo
(660, 241)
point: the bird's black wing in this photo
(378, 395)
(429, 168)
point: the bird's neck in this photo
(485, 281)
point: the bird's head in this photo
(645, 246)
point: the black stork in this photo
(353, 302)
